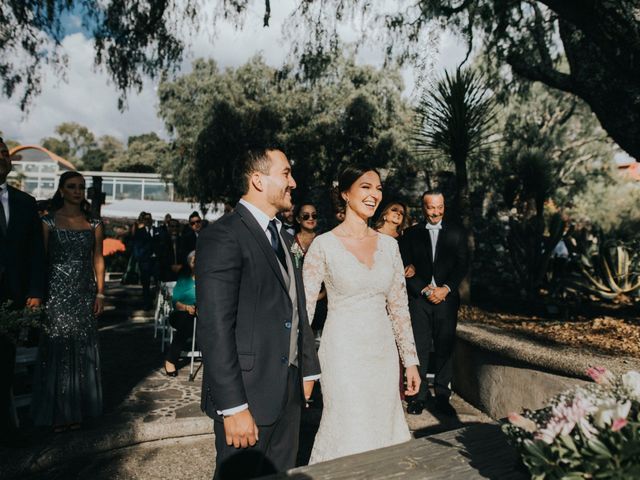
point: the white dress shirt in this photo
(434, 232)
(263, 220)
(4, 199)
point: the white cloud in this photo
(87, 97)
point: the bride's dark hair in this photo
(349, 175)
(57, 201)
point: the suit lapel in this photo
(261, 239)
(426, 240)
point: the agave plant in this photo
(610, 272)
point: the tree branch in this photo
(267, 13)
(542, 73)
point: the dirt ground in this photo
(606, 328)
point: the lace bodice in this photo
(352, 287)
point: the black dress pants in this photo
(183, 323)
(434, 330)
(277, 447)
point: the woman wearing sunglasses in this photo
(307, 218)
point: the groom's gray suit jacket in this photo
(246, 319)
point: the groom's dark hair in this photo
(254, 160)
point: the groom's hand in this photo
(307, 386)
(241, 430)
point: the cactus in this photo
(531, 249)
(611, 272)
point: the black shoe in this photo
(443, 406)
(415, 407)
(171, 374)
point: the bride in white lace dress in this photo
(367, 323)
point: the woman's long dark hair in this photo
(57, 201)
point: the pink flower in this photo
(522, 422)
(600, 375)
(565, 416)
(618, 424)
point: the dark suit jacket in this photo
(167, 257)
(22, 259)
(244, 315)
(188, 241)
(451, 259)
(145, 244)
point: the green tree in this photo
(598, 41)
(352, 113)
(107, 148)
(146, 153)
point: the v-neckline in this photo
(364, 265)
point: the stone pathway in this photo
(152, 426)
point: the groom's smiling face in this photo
(279, 182)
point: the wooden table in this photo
(474, 452)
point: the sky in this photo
(87, 97)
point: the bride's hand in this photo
(413, 380)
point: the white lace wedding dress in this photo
(367, 317)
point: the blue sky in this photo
(87, 97)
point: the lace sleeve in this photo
(313, 273)
(397, 304)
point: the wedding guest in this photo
(183, 315)
(67, 387)
(190, 236)
(169, 264)
(437, 249)
(21, 279)
(338, 207)
(144, 251)
(307, 219)
(288, 220)
(393, 220)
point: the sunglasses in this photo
(307, 216)
(195, 222)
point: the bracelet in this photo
(100, 296)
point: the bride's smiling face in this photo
(364, 195)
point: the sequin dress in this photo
(67, 385)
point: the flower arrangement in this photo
(587, 432)
(297, 253)
(14, 322)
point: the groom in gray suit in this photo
(258, 349)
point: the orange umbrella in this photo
(111, 246)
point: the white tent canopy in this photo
(131, 208)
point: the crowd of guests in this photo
(53, 260)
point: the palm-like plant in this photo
(455, 120)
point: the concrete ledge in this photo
(72, 445)
(501, 372)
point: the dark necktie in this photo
(3, 216)
(275, 242)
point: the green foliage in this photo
(610, 270)
(455, 118)
(146, 153)
(531, 246)
(588, 432)
(13, 321)
(351, 113)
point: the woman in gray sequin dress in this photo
(67, 385)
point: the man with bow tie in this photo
(437, 250)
